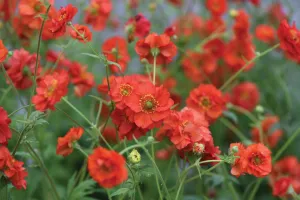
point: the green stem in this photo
(256, 186)
(229, 184)
(14, 112)
(180, 186)
(5, 94)
(236, 131)
(154, 70)
(78, 147)
(43, 167)
(37, 59)
(22, 134)
(286, 144)
(234, 76)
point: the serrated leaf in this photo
(120, 191)
(81, 191)
(90, 55)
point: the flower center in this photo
(125, 89)
(62, 17)
(37, 7)
(294, 36)
(148, 103)
(205, 102)
(51, 89)
(256, 160)
(103, 166)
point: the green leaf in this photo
(120, 191)
(3, 188)
(81, 191)
(231, 115)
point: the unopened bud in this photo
(233, 13)
(134, 156)
(198, 148)
(259, 109)
(150, 139)
(144, 61)
(152, 7)
(235, 149)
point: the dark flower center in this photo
(205, 102)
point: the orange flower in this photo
(289, 38)
(159, 46)
(265, 33)
(51, 88)
(216, 7)
(256, 160)
(245, 95)
(107, 167)
(16, 173)
(97, 13)
(65, 144)
(207, 99)
(115, 49)
(29, 12)
(236, 168)
(270, 136)
(85, 33)
(3, 52)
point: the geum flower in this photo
(65, 144)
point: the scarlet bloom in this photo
(150, 105)
(270, 135)
(256, 160)
(65, 144)
(281, 186)
(265, 33)
(255, 2)
(16, 173)
(187, 25)
(97, 13)
(4, 156)
(30, 10)
(216, 7)
(276, 13)
(59, 23)
(107, 167)
(238, 53)
(21, 67)
(5, 133)
(103, 87)
(7, 9)
(216, 47)
(83, 80)
(83, 33)
(242, 25)
(137, 26)
(121, 89)
(164, 154)
(208, 100)
(215, 24)
(51, 88)
(159, 46)
(289, 38)
(245, 95)
(115, 50)
(3, 52)
(197, 66)
(175, 2)
(237, 168)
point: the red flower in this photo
(83, 80)
(216, 7)
(207, 99)
(65, 144)
(115, 49)
(21, 68)
(16, 173)
(270, 136)
(137, 26)
(238, 53)
(29, 12)
(121, 88)
(213, 25)
(242, 25)
(170, 31)
(255, 2)
(256, 160)
(59, 58)
(156, 45)
(281, 186)
(175, 2)
(103, 87)
(237, 168)
(197, 66)
(150, 105)
(5, 133)
(98, 13)
(4, 156)
(23, 31)
(265, 33)
(107, 167)
(59, 23)
(51, 88)
(7, 9)
(216, 47)
(187, 25)
(245, 95)
(276, 13)
(110, 134)
(289, 38)
(125, 126)
(3, 52)
(85, 33)
(164, 154)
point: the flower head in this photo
(137, 26)
(216, 7)
(16, 173)
(107, 167)
(265, 33)
(5, 133)
(82, 33)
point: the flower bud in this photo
(198, 148)
(235, 149)
(150, 139)
(233, 13)
(259, 109)
(134, 156)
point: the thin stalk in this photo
(236, 131)
(22, 134)
(14, 112)
(78, 112)
(78, 147)
(154, 70)
(5, 94)
(37, 59)
(234, 76)
(256, 186)
(43, 167)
